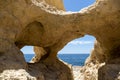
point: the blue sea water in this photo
(74, 59)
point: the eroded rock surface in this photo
(34, 22)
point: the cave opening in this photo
(77, 5)
(75, 54)
(28, 53)
(77, 51)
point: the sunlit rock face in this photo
(49, 28)
(56, 3)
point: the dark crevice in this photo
(115, 53)
(1, 53)
(19, 45)
(46, 55)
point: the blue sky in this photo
(77, 5)
(81, 45)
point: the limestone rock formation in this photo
(40, 23)
(56, 3)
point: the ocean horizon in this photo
(73, 59)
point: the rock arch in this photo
(100, 20)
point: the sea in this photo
(73, 59)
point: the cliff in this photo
(42, 24)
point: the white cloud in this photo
(80, 42)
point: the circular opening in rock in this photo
(28, 53)
(77, 5)
(76, 51)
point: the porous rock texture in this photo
(42, 24)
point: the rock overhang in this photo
(58, 28)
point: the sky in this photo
(77, 5)
(81, 45)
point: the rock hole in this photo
(77, 5)
(76, 52)
(28, 53)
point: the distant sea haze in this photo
(73, 59)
